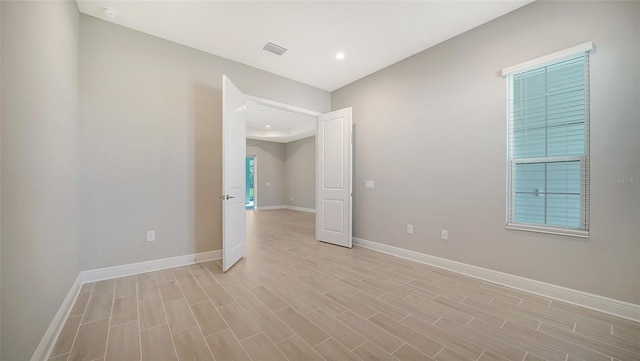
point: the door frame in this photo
(283, 106)
(313, 113)
(291, 108)
(255, 180)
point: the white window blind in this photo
(548, 146)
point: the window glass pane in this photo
(530, 177)
(565, 69)
(530, 204)
(530, 115)
(563, 177)
(563, 210)
(529, 208)
(565, 108)
(529, 100)
(529, 143)
(565, 140)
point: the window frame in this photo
(583, 159)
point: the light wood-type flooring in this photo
(293, 298)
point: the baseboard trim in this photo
(293, 208)
(592, 301)
(269, 208)
(301, 209)
(208, 256)
(100, 274)
(47, 343)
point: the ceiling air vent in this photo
(273, 48)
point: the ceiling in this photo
(371, 34)
(277, 125)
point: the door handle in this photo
(224, 197)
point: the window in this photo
(548, 143)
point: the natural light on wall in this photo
(548, 143)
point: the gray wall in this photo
(300, 170)
(39, 147)
(290, 170)
(270, 158)
(150, 150)
(430, 131)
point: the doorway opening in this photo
(250, 199)
(333, 156)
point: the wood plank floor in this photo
(293, 298)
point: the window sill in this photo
(548, 230)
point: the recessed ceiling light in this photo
(268, 126)
(340, 56)
(110, 12)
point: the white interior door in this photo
(333, 178)
(234, 243)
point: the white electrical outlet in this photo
(368, 184)
(444, 235)
(151, 236)
(410, 228)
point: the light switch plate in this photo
(368, 184)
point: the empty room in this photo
(319, 180)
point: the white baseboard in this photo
(47, 343)
(293, 208)
(100, 274)
(588, 300)
(55, 327)
(301, 209)
(269, 208)
(208, 256)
